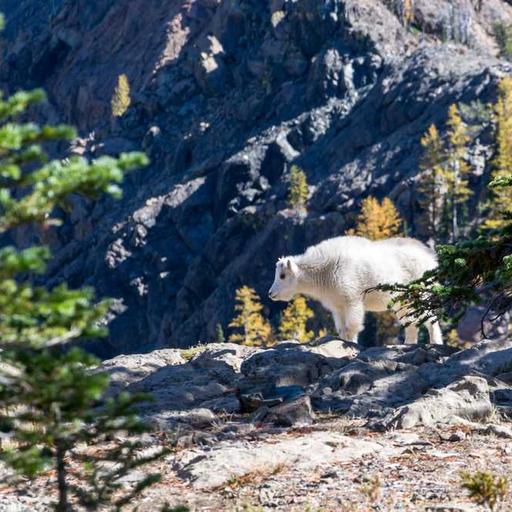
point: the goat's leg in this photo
(354, 321)
(411, 334)
(339, 324)
(434, 332)
(411, 328)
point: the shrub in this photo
(485, 488)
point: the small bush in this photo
(485, 488)
(299, 191)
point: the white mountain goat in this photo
(339, 271)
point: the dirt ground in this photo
(425, 476)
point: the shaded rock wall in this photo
(226, 96)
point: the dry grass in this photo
(254, 477)
(190, 353)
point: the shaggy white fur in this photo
(339, 271)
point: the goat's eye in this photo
(282, 276)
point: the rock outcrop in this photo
(225, 97)
(229, 386)
(238, 414)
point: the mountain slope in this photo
(225, 97)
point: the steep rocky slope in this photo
(226, 95)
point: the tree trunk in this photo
(63, 504)
(455, 226)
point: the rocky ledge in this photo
(321, 426)
(233, 411)
(399, 386)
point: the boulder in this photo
(467, 398)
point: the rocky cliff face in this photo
(225, 97)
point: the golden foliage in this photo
(298, 192)
(457, 168)
(121, 100)
(377, 220)
(253, 329)
(294, 321)
(501, 197)
(431, 181)
(408, 12)
(403, 9)
(277, 17)
(443, 184)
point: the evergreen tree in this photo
(501, 197)
(403, 9)
(469, 272)
(121, 99)
(480, 269)
(407, 12)
(294, 320)
(253, 329)
(298, 191)
(53, 401)
(377, 220)
(443, 183)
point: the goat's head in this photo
(285, 280)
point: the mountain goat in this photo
(339, 271)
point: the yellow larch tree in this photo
(252, 328)
(457, 168)
(431, 182)
(377, 220)
(294, 320)
(121, 99)
(500, 202)
(298, 191)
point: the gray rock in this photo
(501, 431)
(229, 460)
(174, 420)
(296, 412)
(128, 369)
(467, 398)
(228, 404)
(392, 387)
(253, 397)
(293, 363)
